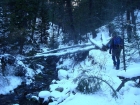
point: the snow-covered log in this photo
(73, 49)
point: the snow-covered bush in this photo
(92, 81)
(100, 58)
(132, 50)
(88, 84)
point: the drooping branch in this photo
(114, 91)
(93, 81)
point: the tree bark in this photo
(133, 21)
(129, 28)
(69, 10)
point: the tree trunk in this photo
(33, 29)
(124, 63)
(123, 50)
(133, 21)
(69, 10)
(129, 28)
(22, 40)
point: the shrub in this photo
(89, 84)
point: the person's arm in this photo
(111, 46)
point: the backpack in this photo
(117, 41)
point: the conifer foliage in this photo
(26, 22)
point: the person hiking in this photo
(116, 44)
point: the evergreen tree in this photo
(33, 9)
(44, 21)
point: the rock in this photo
(62, 74)
(44, 96)
(60, 89)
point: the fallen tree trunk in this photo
(55, 50)
(102, 48)
(80, 48)
(54, 53)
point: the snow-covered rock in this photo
(45, 95)
(62, 74)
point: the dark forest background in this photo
(25, 22)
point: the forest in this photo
(26, 22)
(49, 46)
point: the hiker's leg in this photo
(113, 57)
(114, 60)
(118, 59)
(118, 63)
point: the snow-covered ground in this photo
(98, 63)
(128, 95)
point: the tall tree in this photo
(21, 17)
(44, 21)
(69, 10)
(32, 9)
(129, 28)
(130, 6)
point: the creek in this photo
(41, 81)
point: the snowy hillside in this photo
(91, 81)
(98, 63)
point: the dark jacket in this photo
(117, 46)
(113, 46)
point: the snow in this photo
(7, 84)
(98, 63)
(83, 99)
(62, 74)
(128, 95)
(44, 94)
(131, 71)
(71, 50)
